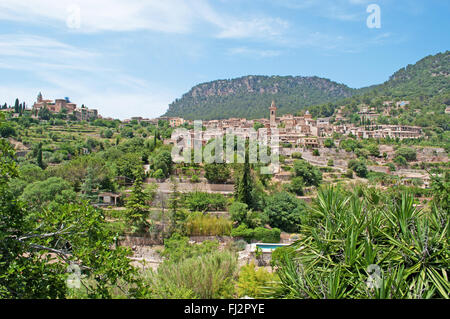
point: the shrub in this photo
(297, 155)
(408, 153)
(217, 173)
(358, 167)
(296, 186)
(258, 233)
(284, 211)
(391, 167)
(198, 224)
(195, 179)
(206, 277)
(256, 219)
(158, 174)
(242, 231)
(267, 235)
(310, 174)
(328, 143)
(201, 201)
(253, 281)
(238, 211)
(349, 173)
(400, 160)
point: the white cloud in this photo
(103, 15)
(254, 52)
(170, 16)
(343, 10)
(254, 28)
(29, 52)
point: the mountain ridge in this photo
(249, 96)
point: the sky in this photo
(134, 57)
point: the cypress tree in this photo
(244, 186)
(40, 163)
(16, 106)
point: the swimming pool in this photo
(270, 246)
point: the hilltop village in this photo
(304, 131)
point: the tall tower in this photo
(273, 114)
(39, 97)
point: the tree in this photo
(358, 167)
(284, 211)
(400, 161)
(374, 150)
(335, 253)
(44, 113)
(7, 130)
(329, 143)
(296, 186)
(90, 185)
(137, 208)
(361, 170)
(107, 133)
(39, 160)
(311, 175)
(244, 185)
(217, 173)
(238, 212)
(31, 173)
(408, 153)
(163, 161)
(37, 248)
(16, 106)
(177, 215)
(128, 164)
(258, 125)
(40, 193)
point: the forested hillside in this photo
(250, 96)
(426, 85)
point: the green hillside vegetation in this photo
(425, 85)
(250, 96)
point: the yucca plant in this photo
(350, 233)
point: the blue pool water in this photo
(270, 246)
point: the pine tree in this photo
(137, 209)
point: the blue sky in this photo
(133, 57)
